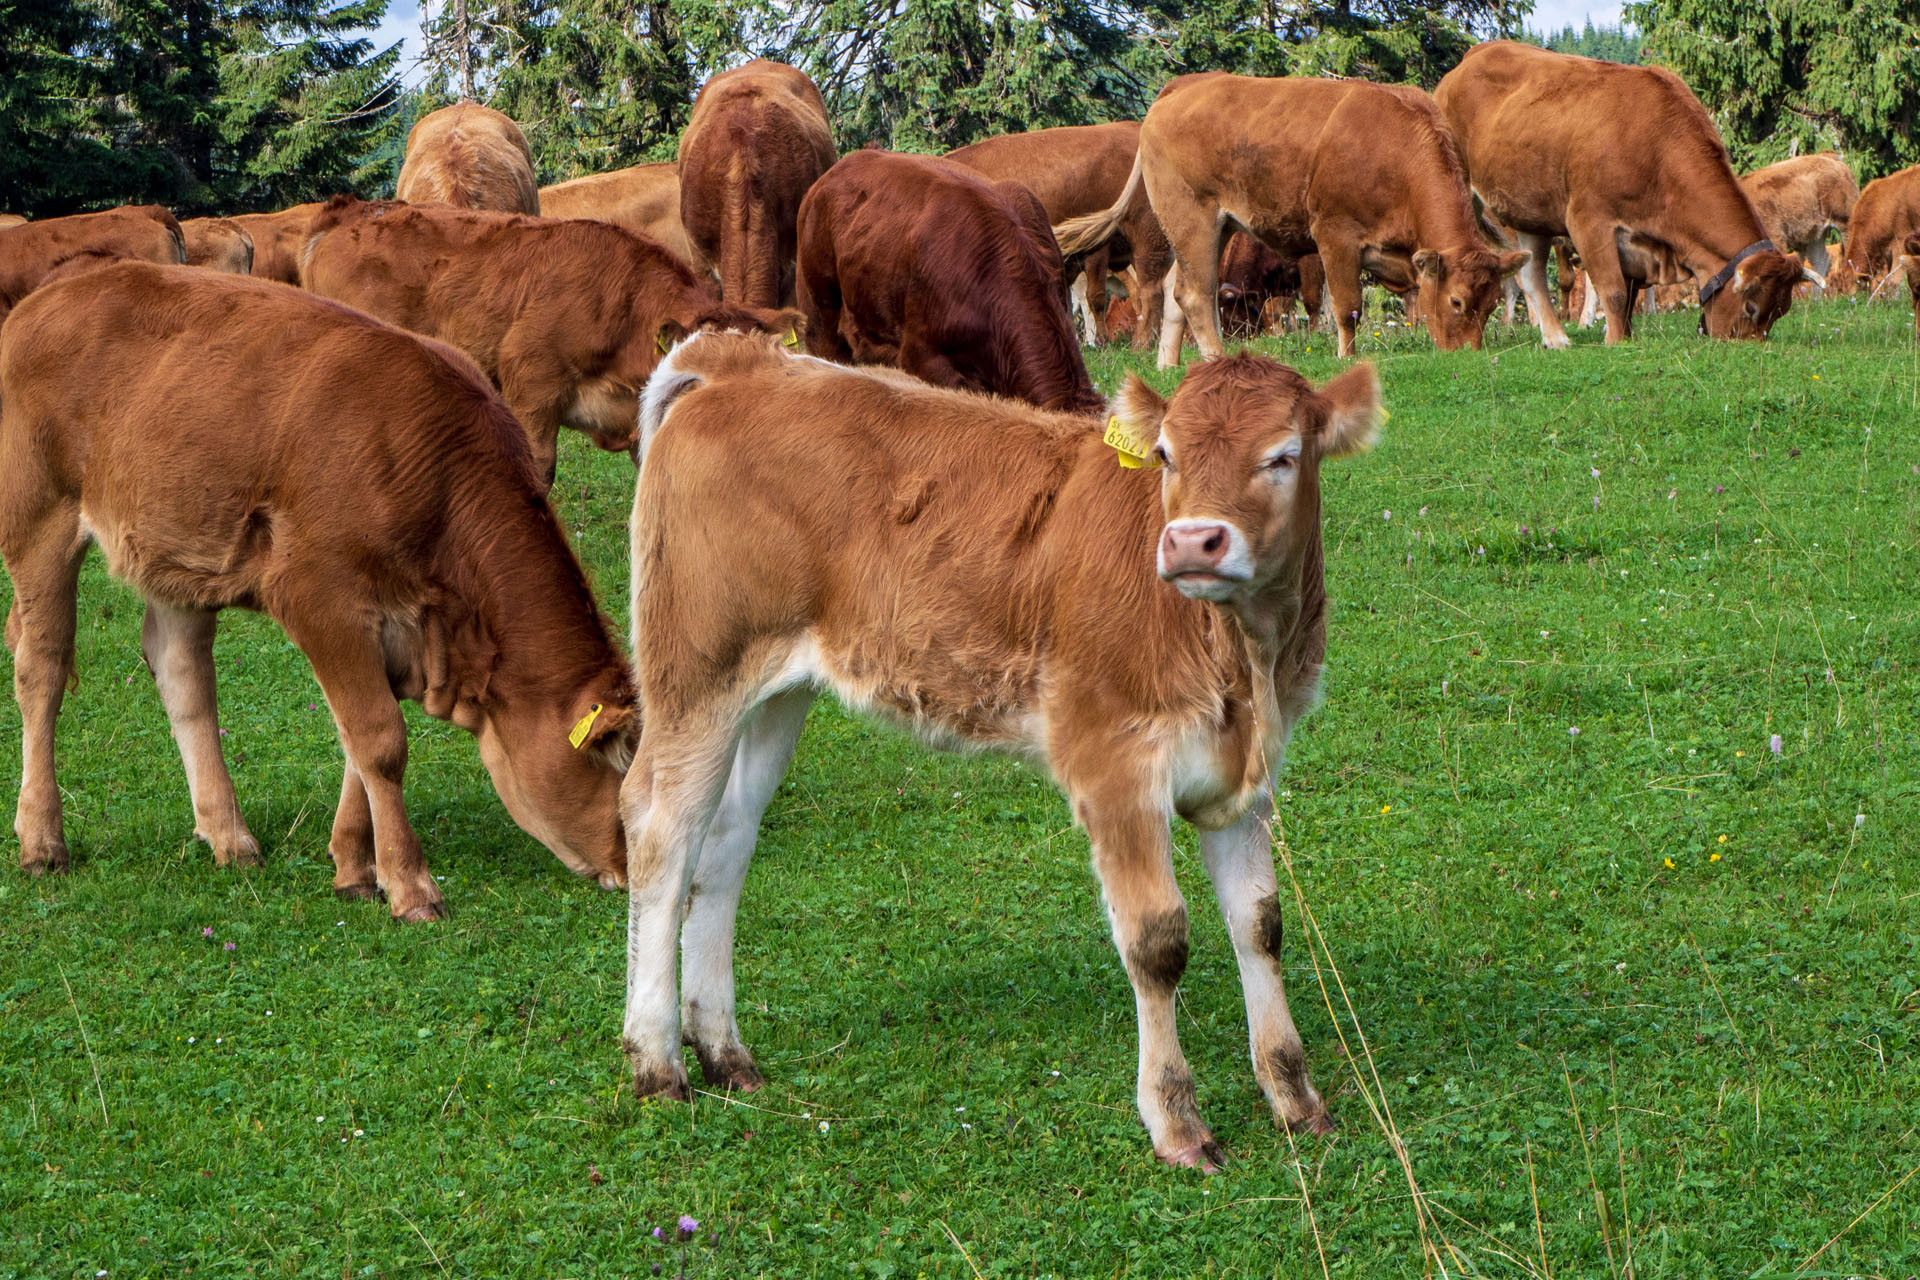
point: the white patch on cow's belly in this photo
(1018, 729)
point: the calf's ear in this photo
(1512, 262)
(1913, 243)
(1353, 412)
(1428, 263)
(1140, 407)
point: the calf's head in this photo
(1458, 290)
(1759, 293)
(1240, 446)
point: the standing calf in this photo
(988, 575)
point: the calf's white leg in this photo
(178, 644)
(706, 940)
(1239, 860)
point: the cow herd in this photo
(870, 461)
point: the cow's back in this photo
(471, 157)
(219, 244)
(31, 250)
(758, 139)
(1074, 170)
(1800, 199)
(278, 240)
(644, 198)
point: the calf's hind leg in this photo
(178, 644)
(1239, 861)
(45, 568)
(706, 940)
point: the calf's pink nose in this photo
(1187, 547)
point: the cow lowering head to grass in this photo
(990, 575)
(368, 492)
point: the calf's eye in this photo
(1160, 456)
(1283, 462)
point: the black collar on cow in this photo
(1725, 273)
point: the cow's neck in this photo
(1710, 226)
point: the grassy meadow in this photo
(1598, 980)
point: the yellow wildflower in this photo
(1669, 862)
(1714, 858)
(1723, 839)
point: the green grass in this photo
(342, 1096)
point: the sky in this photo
(403, 24)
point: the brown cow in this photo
(1801, 200)
(920, 262)
(278, 240)
(30, 251)
(567, 317)
(1888, 208)
(1364, 174)
(757, 140)
(1082, 169)
(1912, 247)
(1626, 162)
(219, 244)
(380, 506)
(644, 198)
(985, 574)
(471, 157)
(1259, 287)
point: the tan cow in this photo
(219, 244)
(757, 140)
(471, 157)
(567, 317)
(380, 506)
(1888, 208)
(278, 240)
(29, 252)
(1626, 162)
(988, 575)
(644, 198)
(1801, 201)
(1082, 169)
(1364, 174)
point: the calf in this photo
(567, 317)
(278, 240)
(1801, 200)
(920, 262)
(1888, 208)
(1366, 175)
(372, 496)
(644, 198)
(1259, 286)
(990, 576)
(756, 141)
(218, 244)
(1626, 162)
(471, 157)
(30, 251)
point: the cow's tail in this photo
(749, 276)
(1084, 234)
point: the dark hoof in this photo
(51, 863)
(425, 911)
(730, 1071)
(1318, 1123)
(670, 1086)
(356, 892)
(1205, 1156)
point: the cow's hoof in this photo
(665, 1083)
(1556, 344)
(435, 910)
(612, 880)
(43, 858)
(243, 851)
(1206, 1156)
(356, 892)
(730, 1070)
(1318, 1123)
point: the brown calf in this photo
(380, 506)
(218, 244)
(1912, 247)
(1259, 287)
(1364, 174)
(1801, 201)
(471, 157)
(567, 317)
(644, 198)
(757, 140)
(1888, 208)
(1626, 162)
(989, 576)
(30, 251)
(1082, 169)
(920, 262)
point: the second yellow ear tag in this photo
(1134, 450)
(660, 342)
(583, 726)
(792, 339)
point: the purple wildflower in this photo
(207, 932)
(229, 946)
(1773, 744)
(657, 1233)
(688, 1224)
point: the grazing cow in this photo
(1801, 201)
(985, 574)
(1082, 169)
(471, 157)
(1626, 162)
(757, 140)
(278, 240)
(1364, 174)
(218, 244)
(374, 498)
(923, 263)
(1259, 286)
(644, 198)
(30, 251)
(1912, 246)
(1888, 208)
(567, 317)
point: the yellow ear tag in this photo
(792, 339)
(1135, 451)
(660, 341)
(583, 727)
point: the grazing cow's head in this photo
(1240, 445)
(1759, 293)
(1458, 290)
(1843, 278)
(608, 407)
